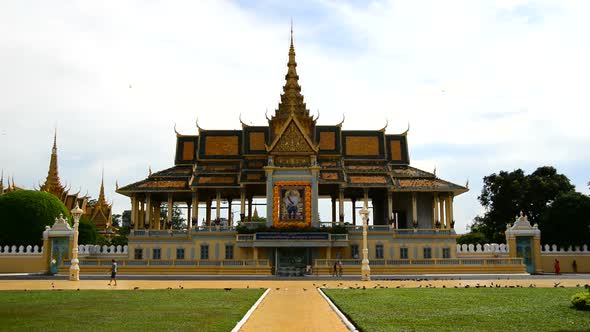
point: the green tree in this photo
(505, 194)
(567, 221)
(24, 215)
(116, 220)
(178, 221)
(126, 218)
(121, 238)
(87, 233)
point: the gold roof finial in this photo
(52, 183)
(101, 197)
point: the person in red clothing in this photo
(556, 266)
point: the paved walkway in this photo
(291, 305)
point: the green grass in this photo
(140, 310)
(473, 309)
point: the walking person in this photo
(339, 269)
(556, 266)
(113, 272)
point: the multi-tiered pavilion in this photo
(291, 164)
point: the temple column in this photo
(218, 207)
(366, 199)
(435, 207)
(243, 205)
(250, 199)
(333, 210)
(255, 253)
(329, 253)
(441, 207)
(341, 206)
(148, 210)
(415, 210)
(141, 219)
(230, 219)
(157, 213)
(195, 207)
(134, 211)
(450, 210)
(170, 208)
(189, 214)
(354, 211)
(208, 211)
(390, 209)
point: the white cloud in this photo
(505, 79)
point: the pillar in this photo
(218, 207)
(366, 199)
(148, 210)
(354, 211)
(189, 214)
(141, 219)
(390, 209)
(341, 206)
(451, 217)
(170, 208)
(157, 212)
(134, 211)
(435, 207)
(250, 199)
(230, 219)
(333, 210)
(441, 207)
(243, 205)
(255, 253)
(415, 210)
(329, 253)
(208, 211)
(195, 207)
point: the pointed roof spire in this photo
(291, 99)
(101, 197)
(52, 183)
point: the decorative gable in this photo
(292, 140)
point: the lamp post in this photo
(365, 269)
(74, 267)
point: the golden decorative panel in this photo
(292, 204)
(216, 180)
(329, 175)
(366, 168)
(163, 184)
(395, 150)
(329, 164)
(253, 177)
(368, 179)
(292, 140)
(327, 140)
(292, 161)
(188, 151)
(362, 145)
(219, 168)
(257, 141)
(411, 183)
(221, 145)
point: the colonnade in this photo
(145, 211)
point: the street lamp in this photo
(74, 267)
(365, 269)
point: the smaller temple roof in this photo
(172, 179)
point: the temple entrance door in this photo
(59, 250)
(524, 250)
(292, 262)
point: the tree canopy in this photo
(505, 194)
(24, 215)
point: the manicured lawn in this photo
(473, 309)
(139, 310)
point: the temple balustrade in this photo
(21, 250)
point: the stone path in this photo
(294, 309)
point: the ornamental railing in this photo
(289, 237)
(172, 262)
(422, 262)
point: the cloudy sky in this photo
(485, 85)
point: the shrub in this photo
(24, 215)
(581, 301)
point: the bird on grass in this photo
(556, 284)
(135, 288)
(227, 289)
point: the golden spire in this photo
(52, 183)
(101, 197)
(291, 99)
